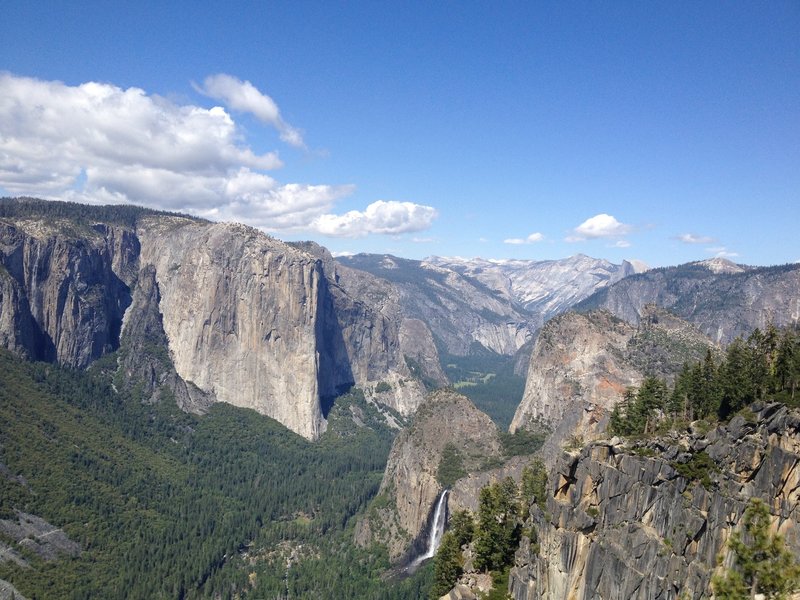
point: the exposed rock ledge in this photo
(621, 522)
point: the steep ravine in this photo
(408, 492)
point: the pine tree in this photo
(447, 566)
(762, 562)
(498, 525)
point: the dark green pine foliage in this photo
(499, 527)
(640, 410)
(170, 505)
(533, 487)
(451, 466)
(447, 566)
(765, 366)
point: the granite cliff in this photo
(724, 300)
(543, 287)
(497, 304)
(581, 365)
(214, 312)
(650, 519)
(458, 310)
(445, 421)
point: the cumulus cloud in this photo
(531, 239)
(599, 226)
(389, 217)
(691, 238)
(101, 144)
(243, 96)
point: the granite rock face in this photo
(722, 299)
(212, 312)
(64, 295)
(375, 337)
(241, 313)
(621, 522)
(581, 365)
(459, 311)
(544, 287)
(410, 486)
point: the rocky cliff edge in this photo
(649, 520)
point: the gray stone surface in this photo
(409, 482)
(622, 523)
(212, 312)
(39, 536)
(9, 592)
(581, 365)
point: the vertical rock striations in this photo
(212, 312)
(240, 312)
(364, 335)
(622, 522)
(63, 300)
(722, 299)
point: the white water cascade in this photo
(437, 528)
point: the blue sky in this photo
(660, 131)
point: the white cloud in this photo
(621, 244)
(388, 217)
(98, 143)
(599, 226)
(343, 253)
(245, 97)
(531, 239)
(722, 252)
(690, 238)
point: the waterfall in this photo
(437, 528)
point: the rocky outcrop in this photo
(144, 352)
(208, 312)
(241, 312)
(722, 299)
(38, 536)
(9, 592)
(410, 486)
(581, 365)
(375, 338)
(622, 522)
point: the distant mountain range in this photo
(497, 303)
(721, 298)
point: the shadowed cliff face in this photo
(621, 522)
(240, 312)
(373, 337)
(63, 297)
(222, 312)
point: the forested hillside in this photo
(169, 505)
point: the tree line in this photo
(765, 365)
